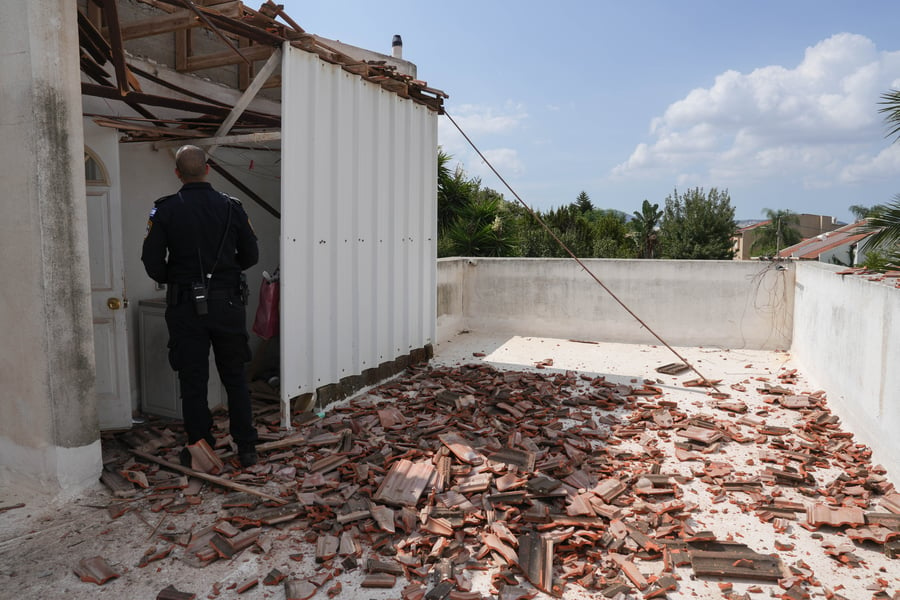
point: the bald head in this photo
(190, 164)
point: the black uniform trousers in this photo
(190, 337)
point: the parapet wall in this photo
(847, 339)
(729, 304)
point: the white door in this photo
(108, 298)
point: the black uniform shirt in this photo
(185, 230)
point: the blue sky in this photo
(777, 102)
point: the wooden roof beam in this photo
(158, 25)
(215, 29)
(100, 91)
(219, 59)
(111, 14)
(249, 94)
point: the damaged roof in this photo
(224, 39)
(812, 248)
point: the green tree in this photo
(583, 203)
(573, 228)
(885, 222)
(776, 235)
(860, 212)
(644, 225)
(697, 225)
(455, 190)
(610, 235)
(885, 219)
(479, 229)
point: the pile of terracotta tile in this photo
(556, 480)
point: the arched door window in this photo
(94, 171)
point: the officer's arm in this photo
(246, 249)
(153, 254)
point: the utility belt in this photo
(199, 294)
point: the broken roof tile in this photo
(835, 516)
(95, 570)
(405, 482)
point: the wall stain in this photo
(66, 295)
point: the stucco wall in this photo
(847, 338)
(689, 303)
(49, 439)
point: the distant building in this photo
(840, 246)
(808, 226)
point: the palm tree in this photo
(887, 217)
(644, 224)
(860, 212)
(884, 220)
(479, 229)
(454, 191)
(778, 233)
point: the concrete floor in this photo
(40, 543)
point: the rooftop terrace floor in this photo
(41, 542)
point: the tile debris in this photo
(557, 480)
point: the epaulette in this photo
(161, 200)
(231, 198)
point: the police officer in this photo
(198, 242)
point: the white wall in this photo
(49, 438)
(359, 192)
(847, 338)
(734, 304)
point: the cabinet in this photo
(160, 391)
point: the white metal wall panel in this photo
(358, 224)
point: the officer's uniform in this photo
(183, 239)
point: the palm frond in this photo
(890, 107)
(885, 222)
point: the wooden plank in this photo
(182, 49)
(249, 94)
(176, 21)
(214, 28)
(158, 25)
(221, 59)
(207, 477)
(111, 13)
(244, 70)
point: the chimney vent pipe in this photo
(397, 46)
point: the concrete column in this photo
(49, 437)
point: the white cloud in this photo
(488, 127)
(884, 165)
(480, 120)
(505, 160)
(815, 122)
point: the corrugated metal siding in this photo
(358, 224)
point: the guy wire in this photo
(578, 260)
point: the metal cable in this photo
(579, 261)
